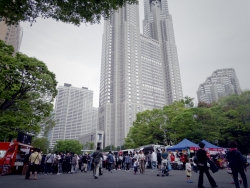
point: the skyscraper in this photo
(74, 113)
(11, 35)
(222, 82)
(138, 72)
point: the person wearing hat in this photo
(84, 162)
(202, 159)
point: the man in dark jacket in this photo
(97, 155)
(110, 161)
(237, 163)
(84, 162)
(202, 166)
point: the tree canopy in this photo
(41, 143)
(223, 121)
(68, 146)
(73, 11)
(27, 90)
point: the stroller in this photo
(164, 168)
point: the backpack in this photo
(97, 158)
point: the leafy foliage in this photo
(41, 143)
(223, 121)
(68, 146)
(27, 90)
(107, 148)
(89, 146)
(68, 11)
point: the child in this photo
(135, 166)
(188, 171)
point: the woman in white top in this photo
(141, 158)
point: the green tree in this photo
(73, 11)
(107, 148)
(68, 146)
(47, 124)
(188, 101)
(27, 90)
(41, 143)
(223, 121)
(147, 129)
(235, 110)
(89, 146)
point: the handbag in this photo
(213, 166)
(32, 163)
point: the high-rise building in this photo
(74, 113)
(11, 35)
(138, 72)
(222, 82)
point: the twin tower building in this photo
(138, 71)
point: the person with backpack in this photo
(48, 162)
(97, 155)
(237, 163)
(201, 160)
(110, 161)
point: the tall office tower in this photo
(73, 113)
(159, 53)
(222, 82)
(138, 72)
(12, 35)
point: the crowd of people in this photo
(69, 163)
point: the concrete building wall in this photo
(11, 35)
(73, 113)
(222, 82)
(138, 72)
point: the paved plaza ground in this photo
(117, 179)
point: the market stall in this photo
(216, 153)
(184, 147)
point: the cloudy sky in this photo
(210, 34)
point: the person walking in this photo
(237, 163)
(141, 158)
(110, 161)
(202, 159)
(89, 162)
(135, 165)
(96, 160)
(154, 160)
(84, 163)
(188, 171)
(127, 161)
(35, 160)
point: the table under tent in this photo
(186, 147)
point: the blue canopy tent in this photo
(184, 145)
(212, 147)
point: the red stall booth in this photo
(12, 156)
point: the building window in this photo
(99, 136)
